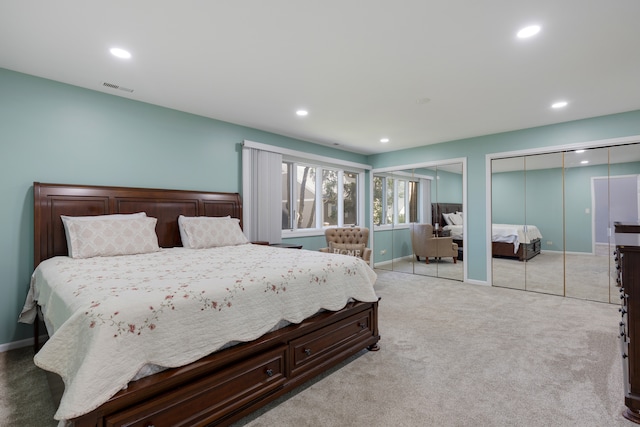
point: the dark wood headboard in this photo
(437, 209)
(53, 200)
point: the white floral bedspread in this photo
(110, 316)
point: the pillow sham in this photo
(66, 219)
(210, 232)
(447, 218)
(184, 237)
(110, 236)
(456, 218)
(354, 249)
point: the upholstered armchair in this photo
(349, 241)
(425, 244)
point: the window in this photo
(395, 200)
(318, 196)
(289, 193)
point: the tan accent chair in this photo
(425, 244)
(348, 236)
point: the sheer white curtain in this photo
(425, 205)
(262, 195)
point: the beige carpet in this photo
(573, 275)
(451, 355)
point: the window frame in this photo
(395, 223)
(320, 166)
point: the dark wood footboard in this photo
(525, 252)
(228, 385)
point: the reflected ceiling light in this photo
(120, 53)
(384, 140)
(579, 151)
(559, 104)
(584, 162)
(529, 31)
(302, 113)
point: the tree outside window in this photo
(334, 199)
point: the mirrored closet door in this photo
(407, 233)
(563, 207)
(543, 196)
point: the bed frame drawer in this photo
(211, 398)
(324, 344)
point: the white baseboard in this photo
(477, 282)
(20, 344)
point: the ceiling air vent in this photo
(115, 86)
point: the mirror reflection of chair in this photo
(426, 245)
(349, 241)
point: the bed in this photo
(221, 379)
(521, 242)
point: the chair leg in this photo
(426, 260)
(417, 258)
(455, 260)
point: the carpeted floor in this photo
(451, 355)
(582, 276)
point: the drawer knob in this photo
(269, 372)
(362, 325)
(307, 351)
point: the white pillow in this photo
(456, 218)
(110, 235)
(209, 232)
(447, 218)
(65, 221)
(184, 238)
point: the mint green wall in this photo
(507, 197)
(476, 149)
(383, 241)
(544, 202)
(53, 132)
(396, 243)
(447, 188)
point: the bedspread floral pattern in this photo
(97, 317)
(175, 306)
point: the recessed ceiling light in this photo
(120, 53)
(384, 140)
(559, 104)
(529, 31)
(302, 113)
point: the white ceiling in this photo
(359, 67)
